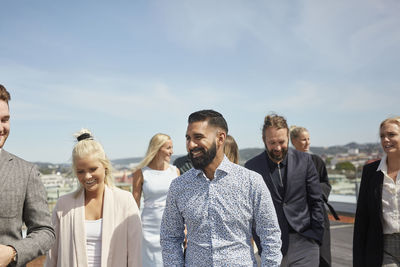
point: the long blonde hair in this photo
(88, 147)
(231, 149)
(156, 142)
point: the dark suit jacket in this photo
(23, 199)
(325, 258)
(368, 228)
(301, 207)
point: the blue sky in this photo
(129, 69)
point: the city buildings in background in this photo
(344, 165)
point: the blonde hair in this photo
(295, 132)
(395, 120)
(231, 149)
(88, 147)
(156, 142)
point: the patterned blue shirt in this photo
(219, 216)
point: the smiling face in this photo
(201, 143)
(91, 174)
(302, 142)
(276, 142)
(4, 122)
(390, 138)
(166, 151)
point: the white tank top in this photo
(93, 242)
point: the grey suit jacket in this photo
(23, 199)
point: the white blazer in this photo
(121, 232)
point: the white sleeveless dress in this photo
(155, 188)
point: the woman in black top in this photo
(300, 139)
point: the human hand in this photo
(6, 255)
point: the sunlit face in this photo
(166, 151)
(302, 142)
(201, 144)
(91, 174)
(390, 138)
(4, 122)
(276, 142)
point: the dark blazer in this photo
(301, 207)
(23, 199)
(368, 228)
(325, 258)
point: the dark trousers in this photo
(302, 252)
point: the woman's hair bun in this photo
(83, 134)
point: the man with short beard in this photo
(220, 203)
(294, 185)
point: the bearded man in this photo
(294, 185)
(220, 203)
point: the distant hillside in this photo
(332, 150)
(127, 161)
(245, 154)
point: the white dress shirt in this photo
(390, 200)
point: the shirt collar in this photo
(273, 165)
(382, 165)
(223, 168)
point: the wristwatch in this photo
(14, 259)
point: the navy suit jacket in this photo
(301, 206)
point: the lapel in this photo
(108, 224)
(79, 229)
(289, 169)
(5, 169)
(377, 187)
(266, 173)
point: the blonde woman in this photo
(300, 138)
(231, 149)
(376, 240)
(152, 178)
(99, 224)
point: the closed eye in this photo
(5, 119)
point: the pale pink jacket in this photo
(121, 232)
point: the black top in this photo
(183, 164)
(278, 174)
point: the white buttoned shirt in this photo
(390, 200)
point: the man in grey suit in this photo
(22, 199)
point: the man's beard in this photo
(275, 157)
(205, 159)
